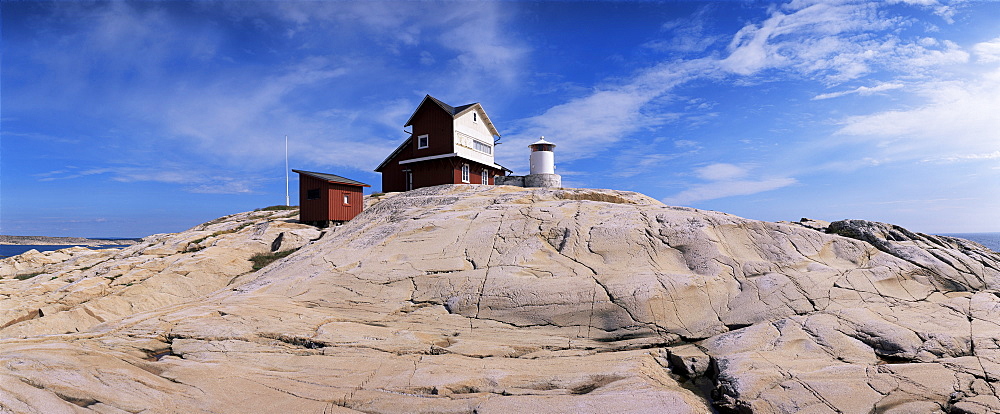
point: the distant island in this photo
(51, 241)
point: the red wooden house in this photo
(447, 145)
(326, 199)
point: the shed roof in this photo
(332, 178)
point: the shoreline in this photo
(56, 241)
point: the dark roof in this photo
(332, 178)
(451, 110)
(459, 109)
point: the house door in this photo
(408, 179)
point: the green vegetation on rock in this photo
(261, 260)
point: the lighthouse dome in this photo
(541, 141)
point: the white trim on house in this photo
(426, 141)
(466, 173)
(429, 157)
(434, 157)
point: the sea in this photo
(7, 250)
(990, 240)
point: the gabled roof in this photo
(332, 178)
(455, 112)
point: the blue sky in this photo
(131, 118)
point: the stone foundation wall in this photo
(514, 180)
(533, 180)
(543, 180)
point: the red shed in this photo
(326, 199)
(448, 145)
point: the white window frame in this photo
(465, 173)
(425, 140)
(486, 177)
(482, 146)
(347, 199)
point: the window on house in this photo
(482, 146)
(486, 176)
(347, 199)
(465, 173)
(408, 180)
(474, 117)
(422, 141)
(312, 194)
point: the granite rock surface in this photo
(502, 299)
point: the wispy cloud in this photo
(725, 180)
(589, 124)
(211, 113)
(721, 172)
(217, 116)
(630, 163)
(686, 35)
(833, 43)
(830, 42)
(861, 90)
(203, 181)
(814, 38)
(995, 155)
(963, 111)
(727, 188)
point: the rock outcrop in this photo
(501, 299)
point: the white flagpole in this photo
(288, 201)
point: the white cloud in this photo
(726, 180)
(235, 117)
(829, 41)
(224, 187)
(959, 117)
(728, 188)
(916, 55)
(483, 47)
(861, 90)
(995, 155)
(833, 41)
(812, 37)
(947, 13)
(685, 35)
(720, 171)
(988, 52)
(475, 32)
(585, 126)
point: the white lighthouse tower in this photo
(543, 160)
(543, 166)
